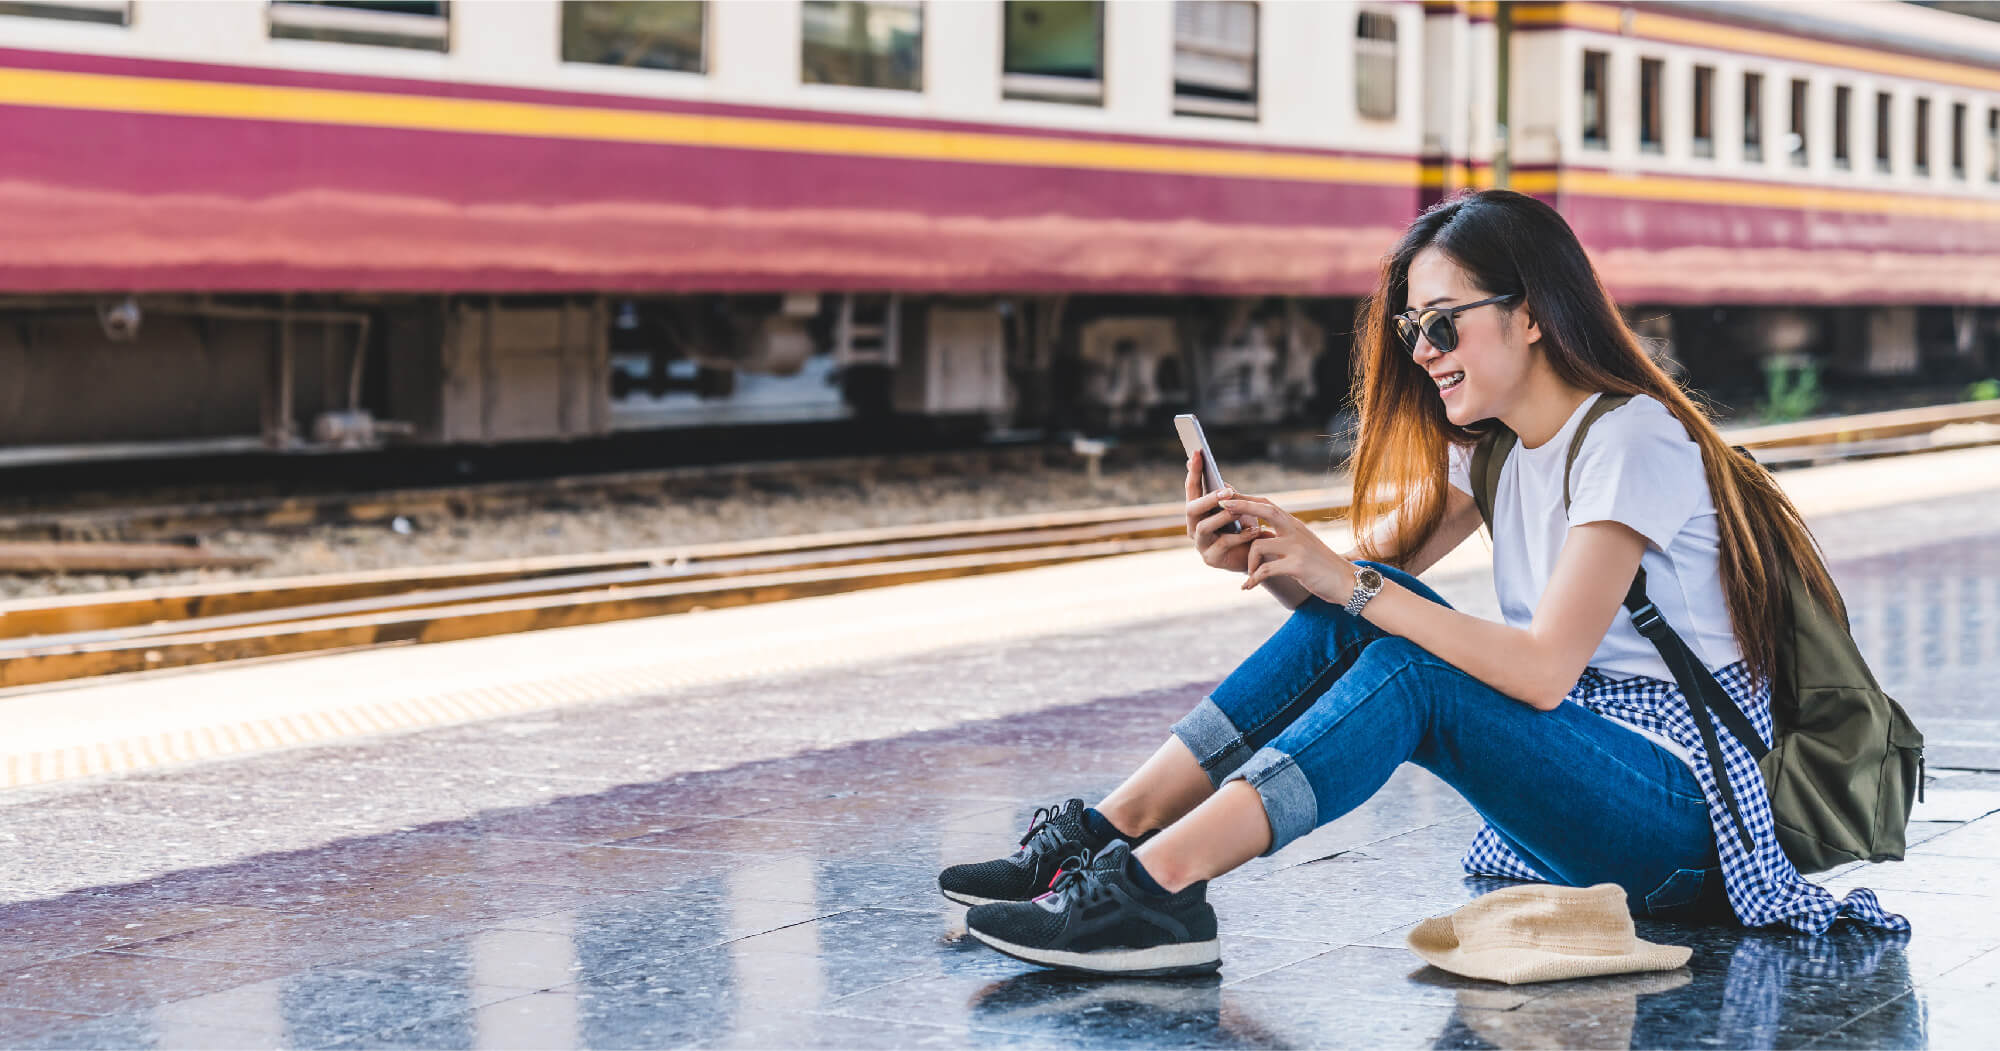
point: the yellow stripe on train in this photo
(191, 98)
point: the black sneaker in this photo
(1056, 836)
(1096, 921)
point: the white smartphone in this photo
(1194, 441)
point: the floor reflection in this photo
(1066, 1009)
(1925, 611)
(797, 966)
(1742, 989)
(1598, 1013)
(500, 959)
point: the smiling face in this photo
(1495, 353)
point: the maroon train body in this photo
(219, 233)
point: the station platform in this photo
(723, 830)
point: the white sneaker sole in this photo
(970, 899)
(1158, 960)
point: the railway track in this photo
(46, 641)
(83, 636)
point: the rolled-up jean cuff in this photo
(1289, 803)
(1216, 743)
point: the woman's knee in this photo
(1383, 658)
(1394, 670)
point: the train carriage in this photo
(311, 225)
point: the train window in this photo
(379, 23)
(863, 43)
(1843, 108)
(1795, 142)
(1651, 70)
(1704, 111)
(107, 12)
(1375, 65)
(1053, 50)
(1993, 145)
(1753, 116)
(1883, 102)
(1958, 140)
(1595, 106)
(1923, 126)
(650, 34)
(1215, 58)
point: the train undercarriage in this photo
(114, 375)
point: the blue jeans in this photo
(1323, 713)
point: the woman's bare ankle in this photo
(1166, 786)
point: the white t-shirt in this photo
(1637, 466)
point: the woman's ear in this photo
(1534, 330)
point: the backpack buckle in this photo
(1647, 617)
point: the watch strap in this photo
(1362, 593)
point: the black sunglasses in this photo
(1435, 324)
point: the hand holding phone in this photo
(1231, 551)
(1194, 442)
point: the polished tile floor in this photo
(731, 868)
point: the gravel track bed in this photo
(763, 510)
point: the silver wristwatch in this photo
(1366, 583)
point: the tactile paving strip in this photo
(703, 649)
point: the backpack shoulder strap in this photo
(1487, 458)
(1604, 404)
(1698, 686)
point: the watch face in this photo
(1368, 578)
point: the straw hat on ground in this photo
(1542, 933)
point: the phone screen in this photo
(1194, 441)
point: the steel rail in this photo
(273, 597)
(280, 607)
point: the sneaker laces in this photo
(1042, 829)
(1077, 873)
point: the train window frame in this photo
(1885, 118)
(1920, 157)
(1652, 85)
(1195, 99)
(1701, 141)
(578, 8)
(1993, 144)
(1381, 55)
(360, 23)
(1071, 89)
(1596, 111)
(1753, 117)
(1801, 115)
(114, 13)
(1843, 116)
(915, 7)
(1959, 112)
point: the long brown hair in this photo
(1507, 242)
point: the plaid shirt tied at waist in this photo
(1763, 886)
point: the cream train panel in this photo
(1306, 64)
(1548, 110)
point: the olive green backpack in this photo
(1846, 761)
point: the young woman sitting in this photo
(1560, 724)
